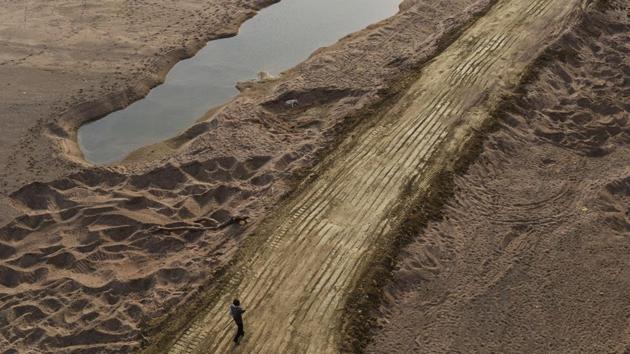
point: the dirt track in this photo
(97, 258)
(531, 255)
(294, 287)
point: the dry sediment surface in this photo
(93, 255)
(67, 61)
(295, 284)
(531, 255)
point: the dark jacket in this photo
(237, 313)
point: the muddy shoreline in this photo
(64, 132)
(118, 82)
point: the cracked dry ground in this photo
(295, 285)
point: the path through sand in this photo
(294, 288)
(531, 252)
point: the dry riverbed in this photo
(91, 257)
(65, 62)
(530, 254)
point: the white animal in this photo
(291, 103)
(264, 75)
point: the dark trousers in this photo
(239, 332)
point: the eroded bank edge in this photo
(427, 204)
(62, 131)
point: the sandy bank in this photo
(66, 62)
(96, 255)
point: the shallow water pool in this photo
(274, 40)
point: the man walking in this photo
(237, 314)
